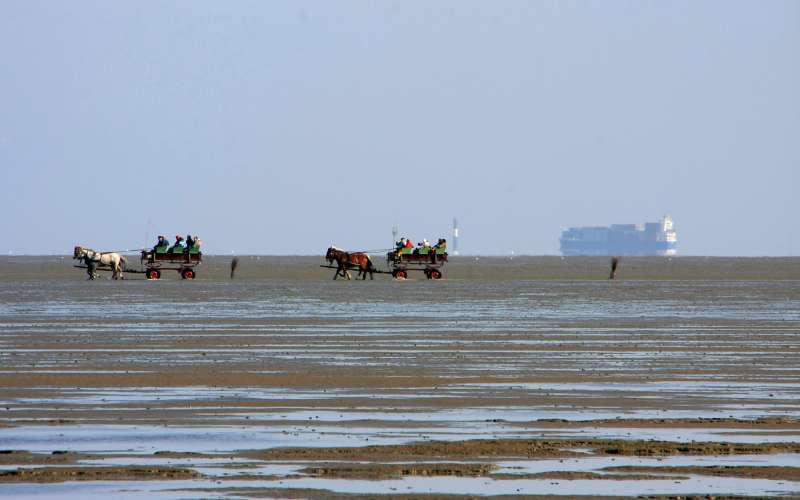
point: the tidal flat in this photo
(526, 376)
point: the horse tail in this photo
(122, 262)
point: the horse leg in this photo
(336, 274)
(363, 268)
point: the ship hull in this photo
(645, 248)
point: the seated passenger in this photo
(178, 244)
(400, 245)
(189, 241)
(197, 242)
(162, 242)
(440, 247)
(409, 243)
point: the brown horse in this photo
(347, 260)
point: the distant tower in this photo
(395, 232)
(455, 236)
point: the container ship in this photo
(650, 238)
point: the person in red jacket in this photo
(178, 244)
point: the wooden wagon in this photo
(429, 260)
(180, 259)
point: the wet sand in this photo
(505, 372)
(474, 268)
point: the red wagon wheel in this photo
(400, 273)
(436, 274)
(153, 274)
(187, 274)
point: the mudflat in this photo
(532, 375)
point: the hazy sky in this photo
(281, 127)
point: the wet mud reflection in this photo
(159, 380)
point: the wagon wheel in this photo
(428, 273)
(436, 274)
(401, 273)
(187, 274)
(153, 274)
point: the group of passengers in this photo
(179, 246)
(404, 243)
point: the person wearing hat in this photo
(178, 243)
(162, 242)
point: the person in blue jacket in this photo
(162, 242)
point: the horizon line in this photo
(492, 255)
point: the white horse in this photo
(91, 258)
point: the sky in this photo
(282, 127)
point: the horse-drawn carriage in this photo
(429, 260)
(152, 262)
(181, 259)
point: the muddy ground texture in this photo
(472, 458)
(531, 372)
